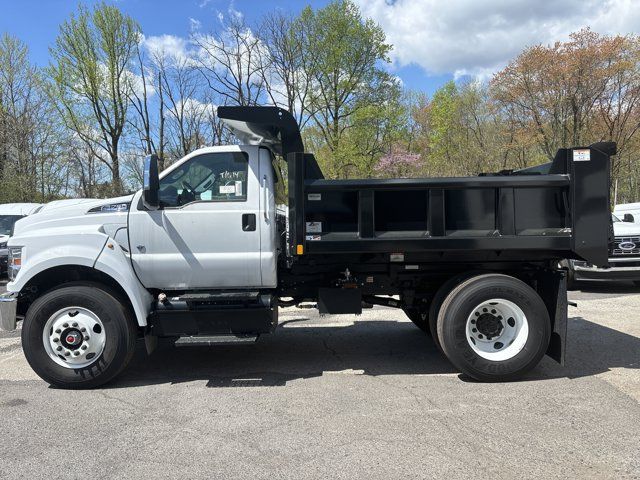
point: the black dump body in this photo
(553, 211)
(561, 213)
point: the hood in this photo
(626, 229)
(75, 212)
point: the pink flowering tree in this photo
(399, 163)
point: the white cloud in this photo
(471, 37)
(171, 47)
(193, 108)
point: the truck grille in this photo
(626, 246)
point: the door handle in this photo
(266, 198)
(248, 222)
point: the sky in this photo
(433, 41)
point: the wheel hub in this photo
(74, 337)
(489, 325)
(497, 329)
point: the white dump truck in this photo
(201, 253)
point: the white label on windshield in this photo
(583, 155)
(314, 196)
(227, 189)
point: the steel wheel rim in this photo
(74, 337)
(497, 329)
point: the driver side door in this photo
(205, 236)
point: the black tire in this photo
(636, 283)
(119, 327)
(436, 304)
(419, 317)
(459, 304)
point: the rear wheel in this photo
(494, 327)
(78, 336)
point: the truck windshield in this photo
(7, 222)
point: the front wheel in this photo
(78, 336)
(494, 327)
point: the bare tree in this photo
(230, 62)
(285, 68)
(150, 129)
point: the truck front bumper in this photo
(8, 304)
(584, 271)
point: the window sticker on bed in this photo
(314, 227)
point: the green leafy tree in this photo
(345, 54)
(92, 79)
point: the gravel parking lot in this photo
(338, 397)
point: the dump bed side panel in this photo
(563, 213)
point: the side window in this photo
(210, 177)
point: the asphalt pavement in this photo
(338, 397)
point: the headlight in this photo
(111, 208)
(15, 262)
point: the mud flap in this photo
(552, 287)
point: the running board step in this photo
(217, 296)
(208, 341)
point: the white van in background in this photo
(625, 209)
(10, 213)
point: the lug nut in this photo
(75, 324)
(83, 329)
(67, 353)
(86, 337)
(59, 348)
(76, 353)
(65, 325)
(58, 331)
(84, 347)
(56, 340)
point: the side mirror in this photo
(628, 218)
(151, 183)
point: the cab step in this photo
(211, 340)
(240, 296)
(203, 315)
